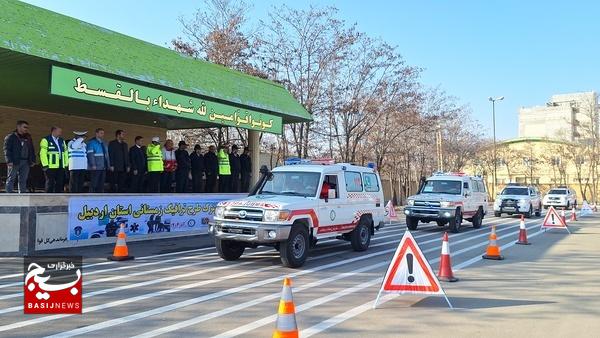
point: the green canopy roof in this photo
(33, 39)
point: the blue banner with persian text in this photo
(100, 217)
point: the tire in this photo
(442, 223)
(229, 250)
(538, 213)
(497, 214)
(478, 219)
(294, 250)
(529, 213)
(360, 237)
(412, 223)
(568, 205)
(456, 222)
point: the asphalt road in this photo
(549, 289)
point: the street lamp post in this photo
(494, 135)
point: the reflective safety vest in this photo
(53, 155)
(224, 167)
(77, 154)
(154, 155)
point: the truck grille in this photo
(429, 204)
(425, 211)
(244, 214)
(237, 230)
(510, 203)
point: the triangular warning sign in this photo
(553, 220)
(391, 212)
(585, 209)
(409, 272)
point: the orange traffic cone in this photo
(121, 253)
(445, 274)
(573, 214)
(286, 314)
(493, 250)
(522, 233)
(562, 215)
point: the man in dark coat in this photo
(137, 160)
(236, 169)
(211, 168)
(118, 152)
(246, 163)
(197, 168)
(184, 165)
(19, 155)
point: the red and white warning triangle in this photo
(409, 272)
(554, 220)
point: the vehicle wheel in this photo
(545, 207)
(360, 237)
(412, 223)
(455, 223)
(229, 250)
(442, 223)
(497, 214)
(568, 205)
(477, 219)
(294, 250)
(538, 213)
(529, 213)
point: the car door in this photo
(468, 199)
(330, 207)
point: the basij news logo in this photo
(53, 285)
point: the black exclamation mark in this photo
(409, 261)
(552, 215)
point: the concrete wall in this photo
(40, 123)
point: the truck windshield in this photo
(557, 192)
(515, 191)
(292, 183)
(442, 187)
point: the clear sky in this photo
(523, 50)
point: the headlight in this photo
(449, 204)
(522, 201)
(411, 202)
(276, 215)
(444, 204)
(219, 212)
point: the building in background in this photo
(568, 117)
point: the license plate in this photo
(509, 208)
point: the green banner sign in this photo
(84, 86)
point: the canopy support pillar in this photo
(254, 144)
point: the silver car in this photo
(517, 199)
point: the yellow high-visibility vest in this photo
(155, 160)
(224, 167)
(50, 156)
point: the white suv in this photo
(517, 199)
(294, 206)
(448, 198)
(560, 197)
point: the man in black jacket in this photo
(211, 168)
(137, 160)
(19, 155)
(183, 167)
(197, 168)
(236, 169)
(119, 161)
(246, 169)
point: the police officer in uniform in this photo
(155, 164)
(78, 163)
(54, 158)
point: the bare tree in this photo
(298, 48)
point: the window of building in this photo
(370, 182)
(353, 181)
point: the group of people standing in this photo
(137, 169)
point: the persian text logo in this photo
(52, 285)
